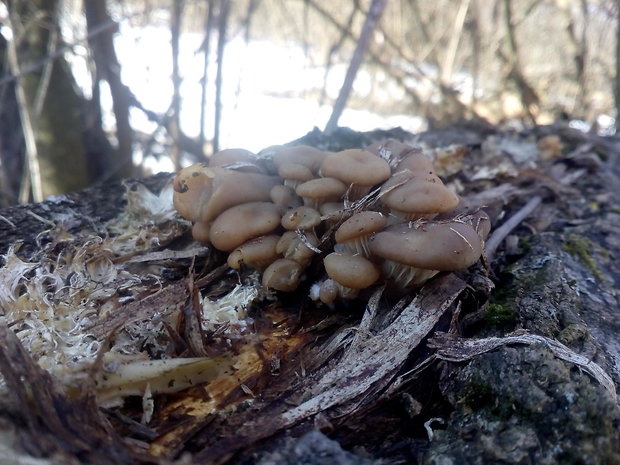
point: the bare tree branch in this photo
(108, 68)
(221, 42)
(374, 13)
(205, 46)
(175, 123)
(32, 156)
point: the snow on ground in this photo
(262, 96)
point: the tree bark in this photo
(119, 163)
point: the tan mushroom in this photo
(321, 190)
(284, 197)
(291, 245)
(414, 253)
(304, 217)
(328, 291)
(237, 159)
(242, 223)
(191, 190)
(354, 233)
(332, 212)
(310, 157)
(257, 253)
(200, 231)
(352, 272)
(413, 196)
(294, 174)
(201, 193)
(283, 275)
(359, 169)
(402, 156)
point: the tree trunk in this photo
(58, 126)
(118, 163)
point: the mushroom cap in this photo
(283, 275)
(232, 188)
(200, 231)
(328, 291)
(301, 218)
(360, 224)
(295, 172)
(321, 189)
(352, 271)
(192, 188)
(284, 197)
(443, 246)
(310, 157)
(472, 214)
(411, 193)
(243, 222)
(257, 253)
(237, 159)
(356, 166)
(291, 246)
(332, 211)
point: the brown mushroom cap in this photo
(443, 246)
(246, 160)
(192, 188)
(362, 223)
(284, 197)
(355, 232)
(473, 215)
(332, 211)
(328, 291)
(283, 275)
(317, 191)
(310, 157)
(291, 246)
(357, 167)
(200, 231)
(303, 217)
(243, 222)
(201, 192)
(257, 253)
(295, 172)
(410, 194)
(353, 271)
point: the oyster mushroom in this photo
(321, 190)
(310, 157)
(257, 253)
(328, 291)
(237, 159)
(284, 197)
(243, 222)
(294, 174)
(414, 253)
(351, 272)
(354, 233)
(201, 193)
(413, 196)
(359, 169)
(304, 218)
(283, 275)
(292, 246)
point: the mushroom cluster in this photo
(380, 213)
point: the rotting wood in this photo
(284, 383)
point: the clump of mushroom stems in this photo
(374, 215)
